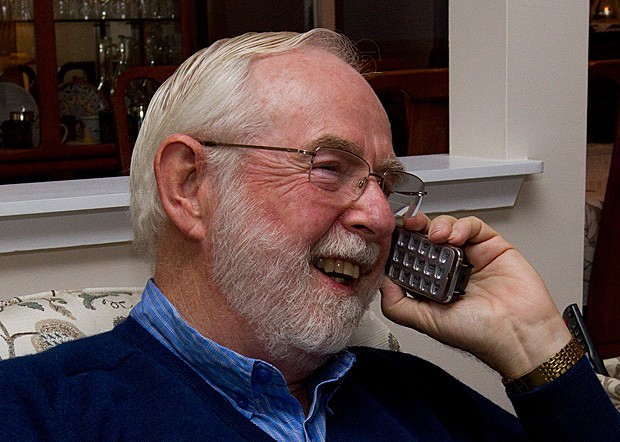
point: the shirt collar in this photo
(225, 370)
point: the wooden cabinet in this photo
(56, 34)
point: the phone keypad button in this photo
(408, 260)
(445, 255)
(398, 256)
(405, 276)
(394, 272)
(419, 264)
(403, 239)
(425, 284)
(415, 280)
(425, 247)
(439, 272)
(429, 269)
(414, 244)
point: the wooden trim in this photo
(45, 47)
(603, 308)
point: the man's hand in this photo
(507, 317)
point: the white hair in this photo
(207, 98)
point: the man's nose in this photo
(370, 215)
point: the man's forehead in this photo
(312, 98)
(304, 62)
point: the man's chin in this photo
(308, 357)
(329, 335)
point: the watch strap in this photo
(549, 370)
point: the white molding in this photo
(458, 183)
(59, 214)
(64, 196)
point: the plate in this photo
(14, 98)
(79, 99)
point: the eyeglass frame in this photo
(312, 153)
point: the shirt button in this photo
(262, 375)
(242, 402)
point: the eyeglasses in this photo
(346, 175)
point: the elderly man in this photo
(259, 188)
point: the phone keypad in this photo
(421, 265)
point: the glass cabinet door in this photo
(59, 60)
(19, 111)
(95, 42)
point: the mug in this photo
(92, 131)
(71, 123)
(64, 133)
(17, 134)
(18, 131)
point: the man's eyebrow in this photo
(337, 143)
(390, 165)
(387, 165)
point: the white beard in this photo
(266, 277)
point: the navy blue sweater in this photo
(125, 385)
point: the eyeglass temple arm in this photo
(250, 146)
(419, 193)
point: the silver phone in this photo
(436, 271)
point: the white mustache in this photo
(343, 244)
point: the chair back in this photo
(153, 76)
(416, 101)
(36, 322)
(22, 75)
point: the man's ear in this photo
(178, 172)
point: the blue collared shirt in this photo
(255, 388)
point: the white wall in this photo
(518, 89)
(77, 267)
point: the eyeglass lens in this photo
(342, 172)
(406, 192)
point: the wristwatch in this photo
(548, 371)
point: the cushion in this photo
(611, 383)
(36, 322)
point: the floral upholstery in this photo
(611, 383)
(33, 323)
(36, 322)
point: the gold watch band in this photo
(548, 371)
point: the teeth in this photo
(329, 265)
(340, 266)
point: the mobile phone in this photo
(437, 271)
(576, 324)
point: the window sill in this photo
(456, 183)
(53, 215)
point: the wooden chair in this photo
(88, 70)
(603, 307)
(124, 82)
(416, 101)
(23, 75)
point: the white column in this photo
(518, 71)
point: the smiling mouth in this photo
(339, 270)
